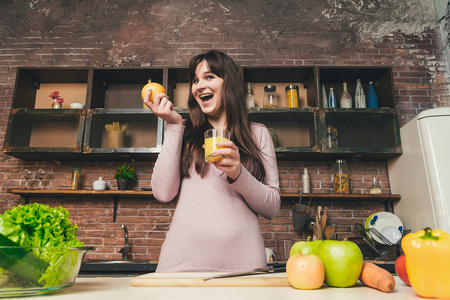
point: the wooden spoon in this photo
(318, 223)
(323, 221)
(329, 231)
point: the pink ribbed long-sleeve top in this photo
(215, 226)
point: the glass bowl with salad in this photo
(39, 250)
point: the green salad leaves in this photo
(39, 225)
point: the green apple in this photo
(305, 247)
(342, 260)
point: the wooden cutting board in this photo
(196, 280)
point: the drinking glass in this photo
(212, 137)
(284, 247)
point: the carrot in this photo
(377, 278)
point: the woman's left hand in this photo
(231, 163)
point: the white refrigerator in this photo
(421, 175)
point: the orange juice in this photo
(210, 145)
(212, 137)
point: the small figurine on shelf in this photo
(57, 100)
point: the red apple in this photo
(305, 272)
(400, 269)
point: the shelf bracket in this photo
(388, 205)
(116, 205)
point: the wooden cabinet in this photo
(113, 95)
(362, 133)
(116, 98)
(35, 130)
(370, 134)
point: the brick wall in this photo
(136, 33)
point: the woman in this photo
(215, 226)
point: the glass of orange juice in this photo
(212, 137)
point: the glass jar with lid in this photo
(270, 96)
(292, 95)
(341, 180)
(76, 175)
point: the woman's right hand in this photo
(162, 107)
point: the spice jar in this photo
(270, 96)
(292, 95)
(341, 179)
(76, 174)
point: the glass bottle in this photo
(332, 99)
(306, 182)
(372, 98)
(270, 96)
(324, 97)
(346, 98)
(341, 180)
(360, 97)
(292, 95)
(376, 187)
(75, 182)
(249, 98)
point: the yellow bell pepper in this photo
(427, 254)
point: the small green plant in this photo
(125, 172)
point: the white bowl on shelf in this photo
(76, 105)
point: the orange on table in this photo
(156, 89)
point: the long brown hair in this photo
(238, 124)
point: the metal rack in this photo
(381, 251)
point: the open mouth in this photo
(206, 97)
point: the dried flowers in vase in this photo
(57, 100)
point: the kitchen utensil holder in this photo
(381, 250)
(300, 213)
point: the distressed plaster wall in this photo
(402, 34)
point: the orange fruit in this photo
(156, 89)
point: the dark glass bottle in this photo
(372, 98)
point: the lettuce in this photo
(39, 225)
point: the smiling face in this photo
(207, 89)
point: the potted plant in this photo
(124, 175)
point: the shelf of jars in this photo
(112, 99)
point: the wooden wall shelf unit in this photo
(386, 199)
(113, 95)
(141, 193)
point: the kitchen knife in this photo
(269, 269)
